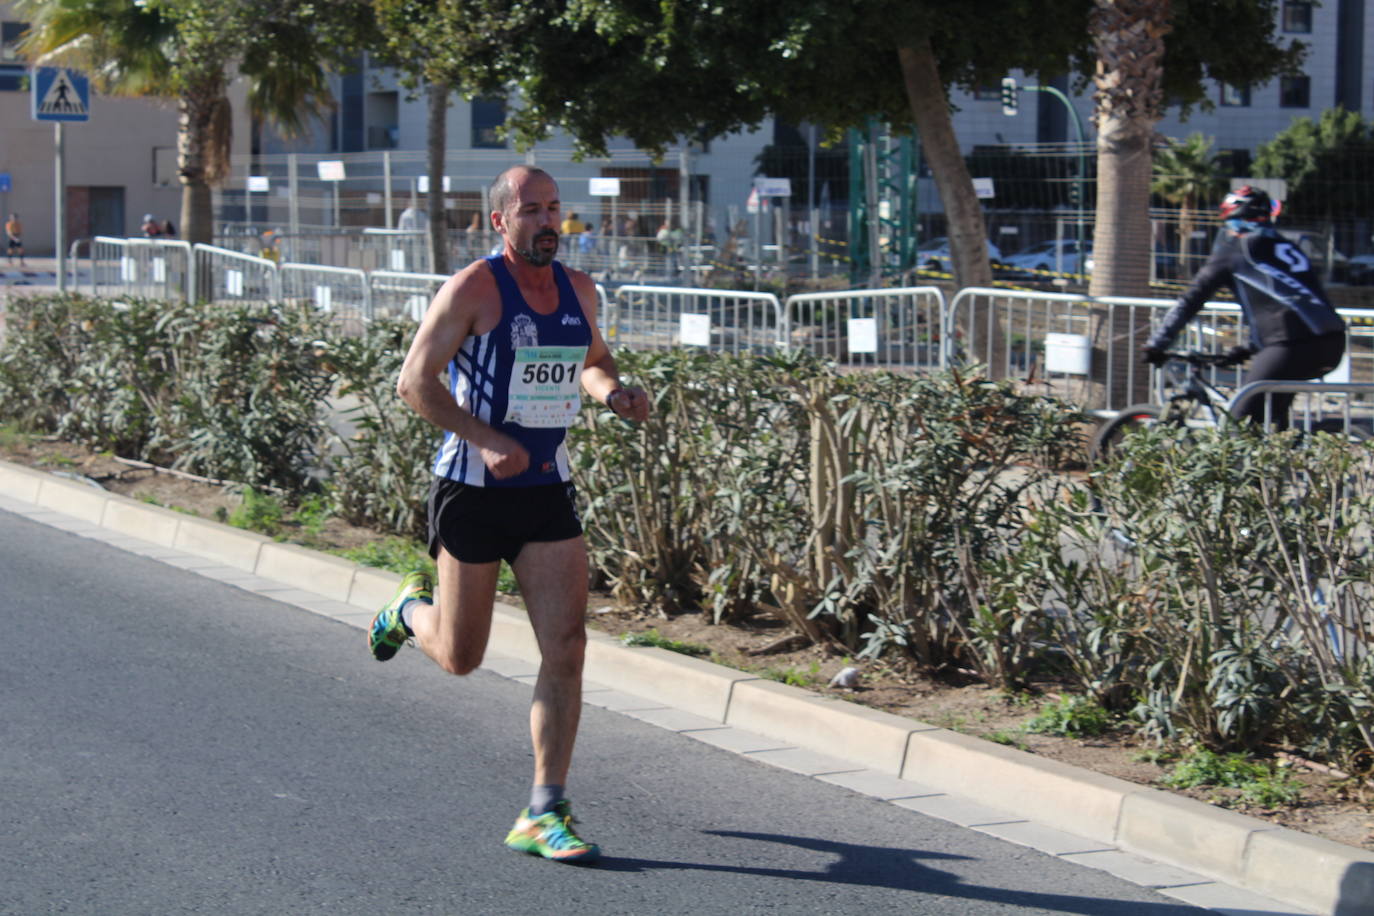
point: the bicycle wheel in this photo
(1110, 434)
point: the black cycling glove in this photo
(1238, 354)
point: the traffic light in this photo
(1009, 99)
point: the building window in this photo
(10, 33)
(487, 117)
(1235, 96)
(1295, 92)
(383, 115)
(1297, 16)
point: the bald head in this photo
(502, 190)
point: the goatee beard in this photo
(536, 257)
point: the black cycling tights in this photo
(1294, 360)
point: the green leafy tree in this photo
(1187, 174)
(187, 51)
(419, 43)
(1317, 159)
(659, 72)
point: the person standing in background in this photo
(14, 238)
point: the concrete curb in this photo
(1276, 862)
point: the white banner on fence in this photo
(233, 282)
(695, 330)
(863, 335)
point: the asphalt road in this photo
(170, 744)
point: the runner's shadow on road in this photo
(898, 869)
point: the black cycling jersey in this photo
(1274, 282)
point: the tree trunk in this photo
(1129, 39)
(437, 94)
(968, 246)
(202, 157)
(967, 230)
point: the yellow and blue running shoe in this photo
(388, 631)
(551, 835)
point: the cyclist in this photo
(1295, 332)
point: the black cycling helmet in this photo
(1250, 204)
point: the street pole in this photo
(60, 206)
(1082, 165)
(1009, 89)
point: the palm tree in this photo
(1128, 36)
(185, 50)
(1186, 174)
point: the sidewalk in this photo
(35, 271)
(1187, 850)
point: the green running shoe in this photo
(551, 835)
(388, 632)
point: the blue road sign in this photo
(5, 184)
(60, 94)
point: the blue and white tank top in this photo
(522, 378)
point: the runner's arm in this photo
(600, 378)
(448, 322)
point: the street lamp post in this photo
(1010, 108)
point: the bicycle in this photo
(1195, 402)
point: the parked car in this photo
(933, 254)
(1058, 255)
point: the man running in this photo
(1295, 332)
(517, 334)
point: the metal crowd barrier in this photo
(1087, 350)
(1315, 401)
(231, 276)
(887, 328)
(396, 294)
(143, 268)
(662, 317)
(341, 291)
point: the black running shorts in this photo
(486, 524)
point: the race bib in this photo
(545, 386)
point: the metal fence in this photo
(1081, 349)
(145, 268)
(662, 317)
(231, 276)
(396, 294)
(888, 328)
(1087, 350)
(341, 291)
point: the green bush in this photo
(853, 506)
(1072, 717)
(1240, 614)
(381, 477)
(1260, 784)
(227, 392)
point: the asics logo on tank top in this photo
(572, 320)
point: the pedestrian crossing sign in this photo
(60, 94)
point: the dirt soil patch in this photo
(1333, 805)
